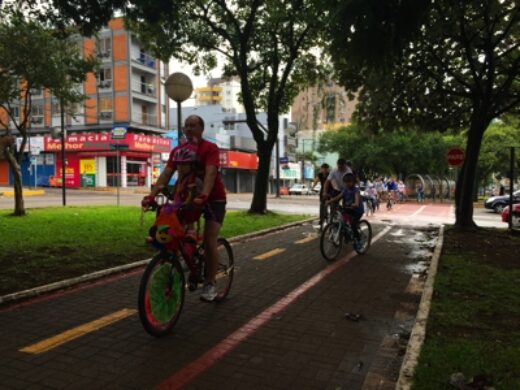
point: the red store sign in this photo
(101, 142)
(238, 160)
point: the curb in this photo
(25, 193)
(418, 334)
(62, 284)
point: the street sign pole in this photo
(63, 162)
(118, 173)
(511, 182)
(277, 145)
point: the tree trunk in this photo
(467, 177)
(259, 202)
(19, 208)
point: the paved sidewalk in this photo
(310, 344)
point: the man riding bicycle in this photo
(212, 197)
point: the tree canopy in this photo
(34, 56)
(401, 152)
(453, 65)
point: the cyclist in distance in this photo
(212, 197)
(334, 183)
(352, 203)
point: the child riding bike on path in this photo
(181, 211)
(352, 203)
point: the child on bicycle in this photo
(352, 203)
(181, 211)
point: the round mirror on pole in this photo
(179, 88)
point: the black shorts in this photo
(215, 211)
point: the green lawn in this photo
(474, 323)
(51, 244)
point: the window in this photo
(106, 106)
(56, 109)
(104, 47)
(37, 114)
(104, 77)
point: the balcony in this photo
(209, 98)
(144, 118)
(145, 89)
(144, 61)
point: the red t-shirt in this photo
(208, 154)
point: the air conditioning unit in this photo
(105, 115)
(105, 84)
(36, 120)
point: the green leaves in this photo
(398, 152)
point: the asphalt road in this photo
(435, 213)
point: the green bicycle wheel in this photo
(161, 294)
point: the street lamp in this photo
(179, 88)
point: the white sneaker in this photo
(209, 292)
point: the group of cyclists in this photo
(358, 192)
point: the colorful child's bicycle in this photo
(163, 284)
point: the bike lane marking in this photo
(190, 371)
(79, 331)
(271, 253)
(306, 239)
(417, 211)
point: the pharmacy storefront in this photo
(96, 160)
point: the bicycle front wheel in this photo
(331, 241)
(161, 294)
(365, 237)
(225, 269)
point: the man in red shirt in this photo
(212, 196)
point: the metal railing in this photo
(144, 118)
(147, 89)
(144, 59)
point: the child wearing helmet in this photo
(177, 219)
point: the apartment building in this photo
(220, 91)
(321, 107)
(127, 92)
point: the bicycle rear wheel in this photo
(331, 241)
(365, 237)
(161, 294)
(225, 270)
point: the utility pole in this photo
(511, 183)
(63, 162)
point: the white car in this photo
(299, 189)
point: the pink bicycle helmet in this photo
(185, 154)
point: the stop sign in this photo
(455, 157)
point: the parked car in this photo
(516, 215)
(498, 203)
(299, 189)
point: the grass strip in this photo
(52, 244)
(474, 322)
